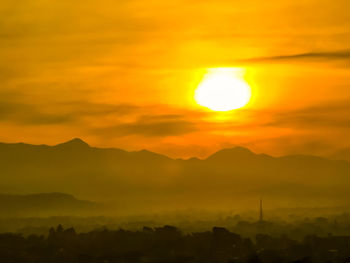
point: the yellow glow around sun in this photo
(223, 89)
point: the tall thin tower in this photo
(261, 218)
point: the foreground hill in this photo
(146, 179)
(43, 204)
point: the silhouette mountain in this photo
(232, 152)
(343, 154)
(236, 154)
(146, 179)
(75, 143)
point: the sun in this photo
(223, 89)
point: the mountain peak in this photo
(228, 153)
(74, 143)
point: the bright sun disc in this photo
(223, 89)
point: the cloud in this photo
(13, 110)
(102, 119)
(84, 108)
(336, 56)
(151, 126)
(325, 116)
(30, 115)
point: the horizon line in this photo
(75, 139)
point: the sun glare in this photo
(223, 89)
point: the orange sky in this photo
(122, 74)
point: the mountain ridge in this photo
(144, 177)
(79, 143)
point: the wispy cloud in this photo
(325, 116)
(151, 126)
(13, 110)
(327, 56)
(30, 115)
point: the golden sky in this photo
(123, 74)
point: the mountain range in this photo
(147, 180)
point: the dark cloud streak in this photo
(341, 55)
(151, 126)
(15, 111)
(326, 116)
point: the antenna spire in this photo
(261, 218)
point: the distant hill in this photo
(43, 204)
(343, 154)
(145, 180)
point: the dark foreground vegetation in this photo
(168, 244)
